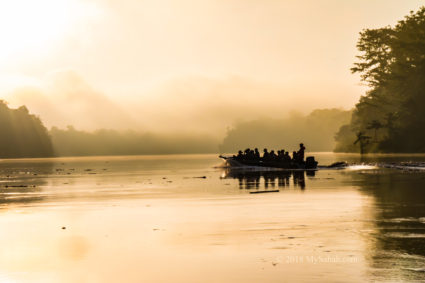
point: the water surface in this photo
(185, 218)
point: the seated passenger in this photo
(240, 155)
(281, 155)
(294, 156)
(246, 153)
(272, 156)
(287, 158)
(266, 155)
(251, 155)
(256, 154)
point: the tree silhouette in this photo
(22, 134)
(363, 140)
(392, 63)
(375, 125)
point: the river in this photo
(186, 218)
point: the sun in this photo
(30, 27)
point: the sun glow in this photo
(31, 28)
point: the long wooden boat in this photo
(232, 161)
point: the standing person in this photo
(300, 153)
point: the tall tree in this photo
(22, 134)
(392, 63)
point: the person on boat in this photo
(251, 155)
(300, 153)
(266, 155)
(272, 156)
(286, 157)
(294, 156)
(240, 155)
(246, 154)
(256, 154)
(279, 155)
(282, 155)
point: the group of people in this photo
(281, 155)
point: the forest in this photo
(22, 134)
(316, 130)
(390, 117)
(73, 142)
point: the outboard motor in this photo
(310, 163)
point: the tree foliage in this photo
(392, 63)
(72, 142)
(316, 130)
(22, 134)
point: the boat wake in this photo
(404, 166)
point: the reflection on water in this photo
(21, 180)
(399, 239)
(267, 179)
(172, 211)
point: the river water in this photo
(186, 218)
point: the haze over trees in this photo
(391, 115)
(316, 130)
(22, 134)
(72, 142)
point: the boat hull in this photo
(233, 162)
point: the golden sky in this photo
(134, 50)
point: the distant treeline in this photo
(71, 142)
(316, 130)
(22, 134)
(391, 116)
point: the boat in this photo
(308, 164)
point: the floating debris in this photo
(262, 192)
(19, 186)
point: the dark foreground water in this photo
(187, 219)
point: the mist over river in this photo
(187, 218)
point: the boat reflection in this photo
(257, 179)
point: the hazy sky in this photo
(136, 50)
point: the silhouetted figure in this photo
(240, 155)
(294, 156)
(272, 156)
(246, 154)
(300, 153)
(251, 155)
(287, 158)
(256, 154)
(266, 155)
(280, 155)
